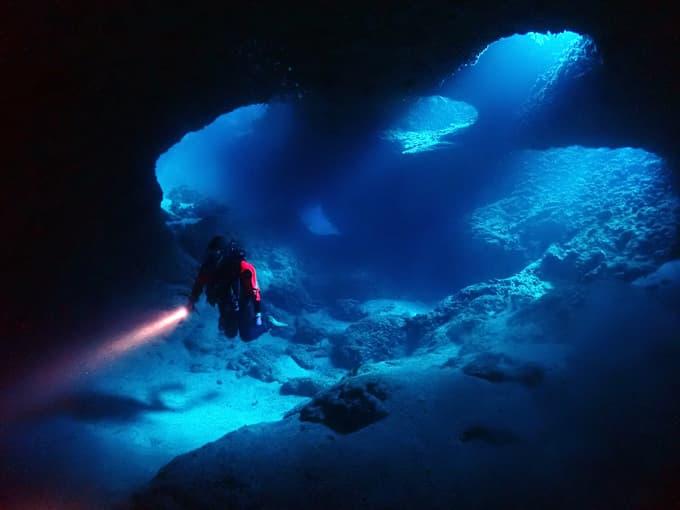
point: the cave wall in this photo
(92, 94)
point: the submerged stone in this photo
(349, 406)
(369, 340)
(586, 211)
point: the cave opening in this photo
(302, 178)
(217, 166)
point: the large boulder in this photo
(350, 406)
(372, 339)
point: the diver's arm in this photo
(199, 283)
(250, 281)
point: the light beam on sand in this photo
(136, 338)
(58, 376)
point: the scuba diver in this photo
(230, 282)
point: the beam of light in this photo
(137, 337)
(53, 379)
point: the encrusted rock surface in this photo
(575, 61)
(349, 406)
(582, 215)
(462, 315)
(372, 339)
(585, 211)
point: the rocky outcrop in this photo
(349, 406)
(466, 314)
(576, 60)
(372, 339)
(585, 212)
(582, 215)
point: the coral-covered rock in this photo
(349, 406)
(576, 60)
(372, 339)
(585, 212)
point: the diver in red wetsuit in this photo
(230, 282)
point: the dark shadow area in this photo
(95, 406)
(615, 416)
(492, 436)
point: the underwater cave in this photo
(467, 254)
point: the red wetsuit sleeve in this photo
(249, 280)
